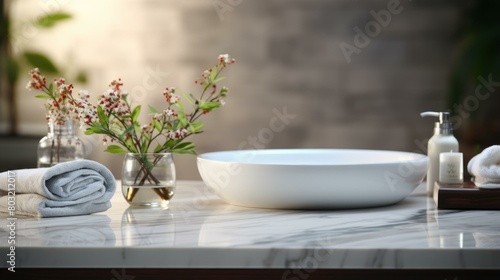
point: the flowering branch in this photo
(59, 105)
(115, 118)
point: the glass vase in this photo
(60, 145)
(148, 179)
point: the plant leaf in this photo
(136, 112)
(218, 80)
(190, 152)
(180, 106)
(144, 144)
(103, 119)
(208, 106)
(196, 127)
(52, 19)
(181, 116)
(42, 96)
(152, 109)
(81, 77)
(115, 149)
(158, 126)
(213, 73)
(51, 89)
(188, 98)
(170, 143)
(158, 148)
(127, 131)
(41, 61)
(95, 129)
(185, 146)
(130, 145)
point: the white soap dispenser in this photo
(442, 141)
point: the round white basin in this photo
(312, 178)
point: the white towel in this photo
(71, 188)
(485, 168)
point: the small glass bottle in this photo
(60, 145)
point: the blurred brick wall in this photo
(288, 58)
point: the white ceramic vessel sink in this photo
(312, 178)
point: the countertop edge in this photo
(275, 258)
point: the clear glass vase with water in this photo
(148, 179)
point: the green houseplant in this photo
(16, 55)
(474, 93)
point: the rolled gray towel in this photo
(71, 188)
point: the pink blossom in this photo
(169, 112)
(158, 117)
(37, 80)
(171, 134)
(84, 94)
(226, 59)
(181, 133)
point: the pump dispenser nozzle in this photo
(444, 126)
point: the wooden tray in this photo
(466, 196)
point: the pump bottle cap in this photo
(444, 125)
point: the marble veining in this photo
(199, 230)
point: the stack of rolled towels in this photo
(71, 188)
(485, 168)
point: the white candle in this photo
(451, 168)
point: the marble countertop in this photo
(201, 231)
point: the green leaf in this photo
(213, 74)
(41, 61)
(52, 19)
(103, 119)
(170, 143)
(192, 97)
(181, 116)
(185, 146)
(209, 106)
(196, 127)
(180, 106)
(190, 152)
(42, 96)
(158, 148)
(152, 109)
(188, 98)
(157, 126)
(95, 129)
(137, 127)
(115, 149)
(136, 112)
(51, 89)
(127, 131)
(131, 146)
(144, 144)
(218, 80)
(81, 77)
